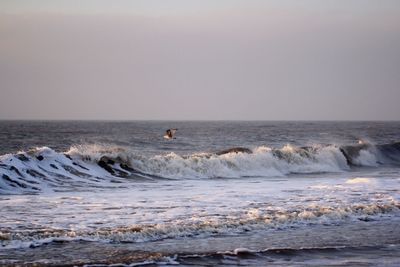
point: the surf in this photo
(86, 166)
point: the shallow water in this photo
(309, 193)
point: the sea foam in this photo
(84, 166)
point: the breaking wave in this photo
(236, 223)
(87, 166)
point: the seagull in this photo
(169, 134)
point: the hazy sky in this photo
(205, 59)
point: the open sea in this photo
(222, 193)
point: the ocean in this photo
(222, 193)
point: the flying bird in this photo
(169, 134)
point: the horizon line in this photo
(205, 120)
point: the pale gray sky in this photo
(205, 59)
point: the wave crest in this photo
(263, 161)
(83, 166)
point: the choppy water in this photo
(221, 193)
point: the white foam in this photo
(50, 172)
(360, 180)
(81, 169)
(256, 219)
(262, 162)
(366, 158)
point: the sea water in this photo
(221, 193)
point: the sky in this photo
(200, 60)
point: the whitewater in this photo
(270, 193)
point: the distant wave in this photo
(86, 166)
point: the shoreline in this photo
(360, 239)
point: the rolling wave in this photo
(88, 166)
(235, 223)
